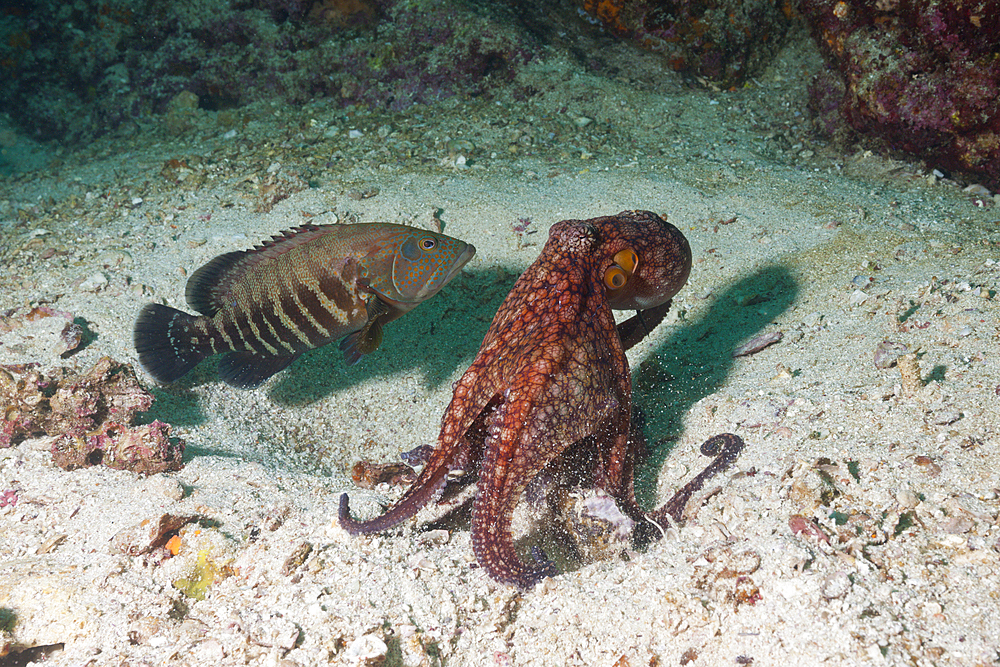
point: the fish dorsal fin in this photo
(209, 287)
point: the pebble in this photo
(165, 486)
(366, 650)
(114, 257)
(94, 283)
(757, 343)
(907, 499)
(909, 370)
(812, 319)
(858, 297)
(888, 352)
(463, 146)
(835, 585)
(977, 189)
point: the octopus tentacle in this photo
(427, 485)
(455, 451)
(503, 476)
(637, 327)
(725, 447)
(408, 506)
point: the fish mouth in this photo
(468, 252)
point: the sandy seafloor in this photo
(836, 248)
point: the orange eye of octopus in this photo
(627, 260)
(618, 273)
(615, 277)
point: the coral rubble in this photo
(89, 415)
(921, 75)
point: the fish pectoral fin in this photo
(247, 370)
(363, 341)
(366, 339)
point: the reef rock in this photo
(921, 75)
(721, 41)
(90, 416)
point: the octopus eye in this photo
(628, 260)
(427, 243)
(615, 277)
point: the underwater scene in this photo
(439, 332)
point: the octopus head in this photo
(643, 259)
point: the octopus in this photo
(549, 393)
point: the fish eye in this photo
(615, 277)
(627, 260)
(427, 243)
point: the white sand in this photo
(901, 568)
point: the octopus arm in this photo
(512, 457)
(637, 327)
(453, 449)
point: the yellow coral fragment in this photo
(205, 572)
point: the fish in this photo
(302, 289)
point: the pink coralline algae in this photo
(89, 415)
(8, 497)
(921, 75)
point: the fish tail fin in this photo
(163, 338)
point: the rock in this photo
(722, 41)
(921, 75)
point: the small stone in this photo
(812, 319)
(114, 257)
(976, 189)
(366, 651)
(835, 585)
(94, 283)
(858, 297)
(166, 486)
(928, 464)
(888, 352)
(149, 534)
(909, 370)
(907, 499)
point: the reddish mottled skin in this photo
(551, 372)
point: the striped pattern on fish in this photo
(299, 291)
